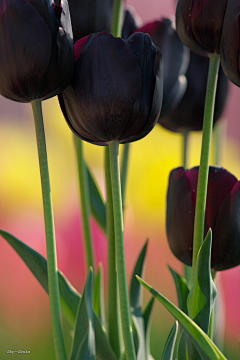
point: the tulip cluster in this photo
(222, 215)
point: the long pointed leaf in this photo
(170, 343)
(147, 312)
(197, 334)
(182, 290)
(136, 304)
(98, 299)
(83, 346)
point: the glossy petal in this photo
(199, 24)
(230, 41)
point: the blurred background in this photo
(24, 305)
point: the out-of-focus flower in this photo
(116, 89)
(176, 58)
(188, 115)
(131, 22)
(222, 215)
(229, 49)
(90, 16)
(36, 49)
(199, 24)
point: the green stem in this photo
(205, 153)
(85, 202)
(124, 170)
(120, 252)
(53, 286)
(116, 28)
(113, 304)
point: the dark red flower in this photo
(230, 42)
(175, 57)
(222, 215)
(116, 89)
(199, 24)
(36, 49)
(188, 115)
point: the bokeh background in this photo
(24, 306)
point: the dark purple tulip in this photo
(199, 24)
(176, 58)
(90, 16)
(131, 22)
(230, 49)
(116, 89)
(222, 215)
(188, 115)
(36, 49)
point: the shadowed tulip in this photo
(199, 24)
(222, 215)
(188, 115)
(176, 58)
(36, 49)
(116, 89)
(131, 22)
(90, 16)
(229, 49)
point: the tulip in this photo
(36, 49)
(131, 22)
(90, 16)
(188, 115)
(116, 89)
(176, 59)
(199, 24)
(229, 49)
(222, 215)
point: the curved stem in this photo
(120, 252)
(205, 153)
(113, 304)
(53, 286)
(85, 202)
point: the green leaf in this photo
(136, 305)
(69, 297)
(83, 345)
(203, 293)
(170, 343)
(199, 337)
(98, 299)
(98, 208)
(182, 290)
(147, 312)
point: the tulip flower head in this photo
(175, 57)
(36, 49)
(116, 89)
(222, 215)
(199, 24)
(188, 115)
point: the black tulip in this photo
(116, 89)
(229, 49)
(36, 49)
(222, 215)
(188, 115)
(199, 24)
(90, 16)
(131, 22)
(176, 58)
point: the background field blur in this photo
(24, 306)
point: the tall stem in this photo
(113, 312)
(85, 202)
(124, 170)
(205, 153)
(120, 252)
(53, 286)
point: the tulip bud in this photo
(36, 49)
(116, 89)
(222, 215)
(199, 24)
(188, 115)
(176, 59)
